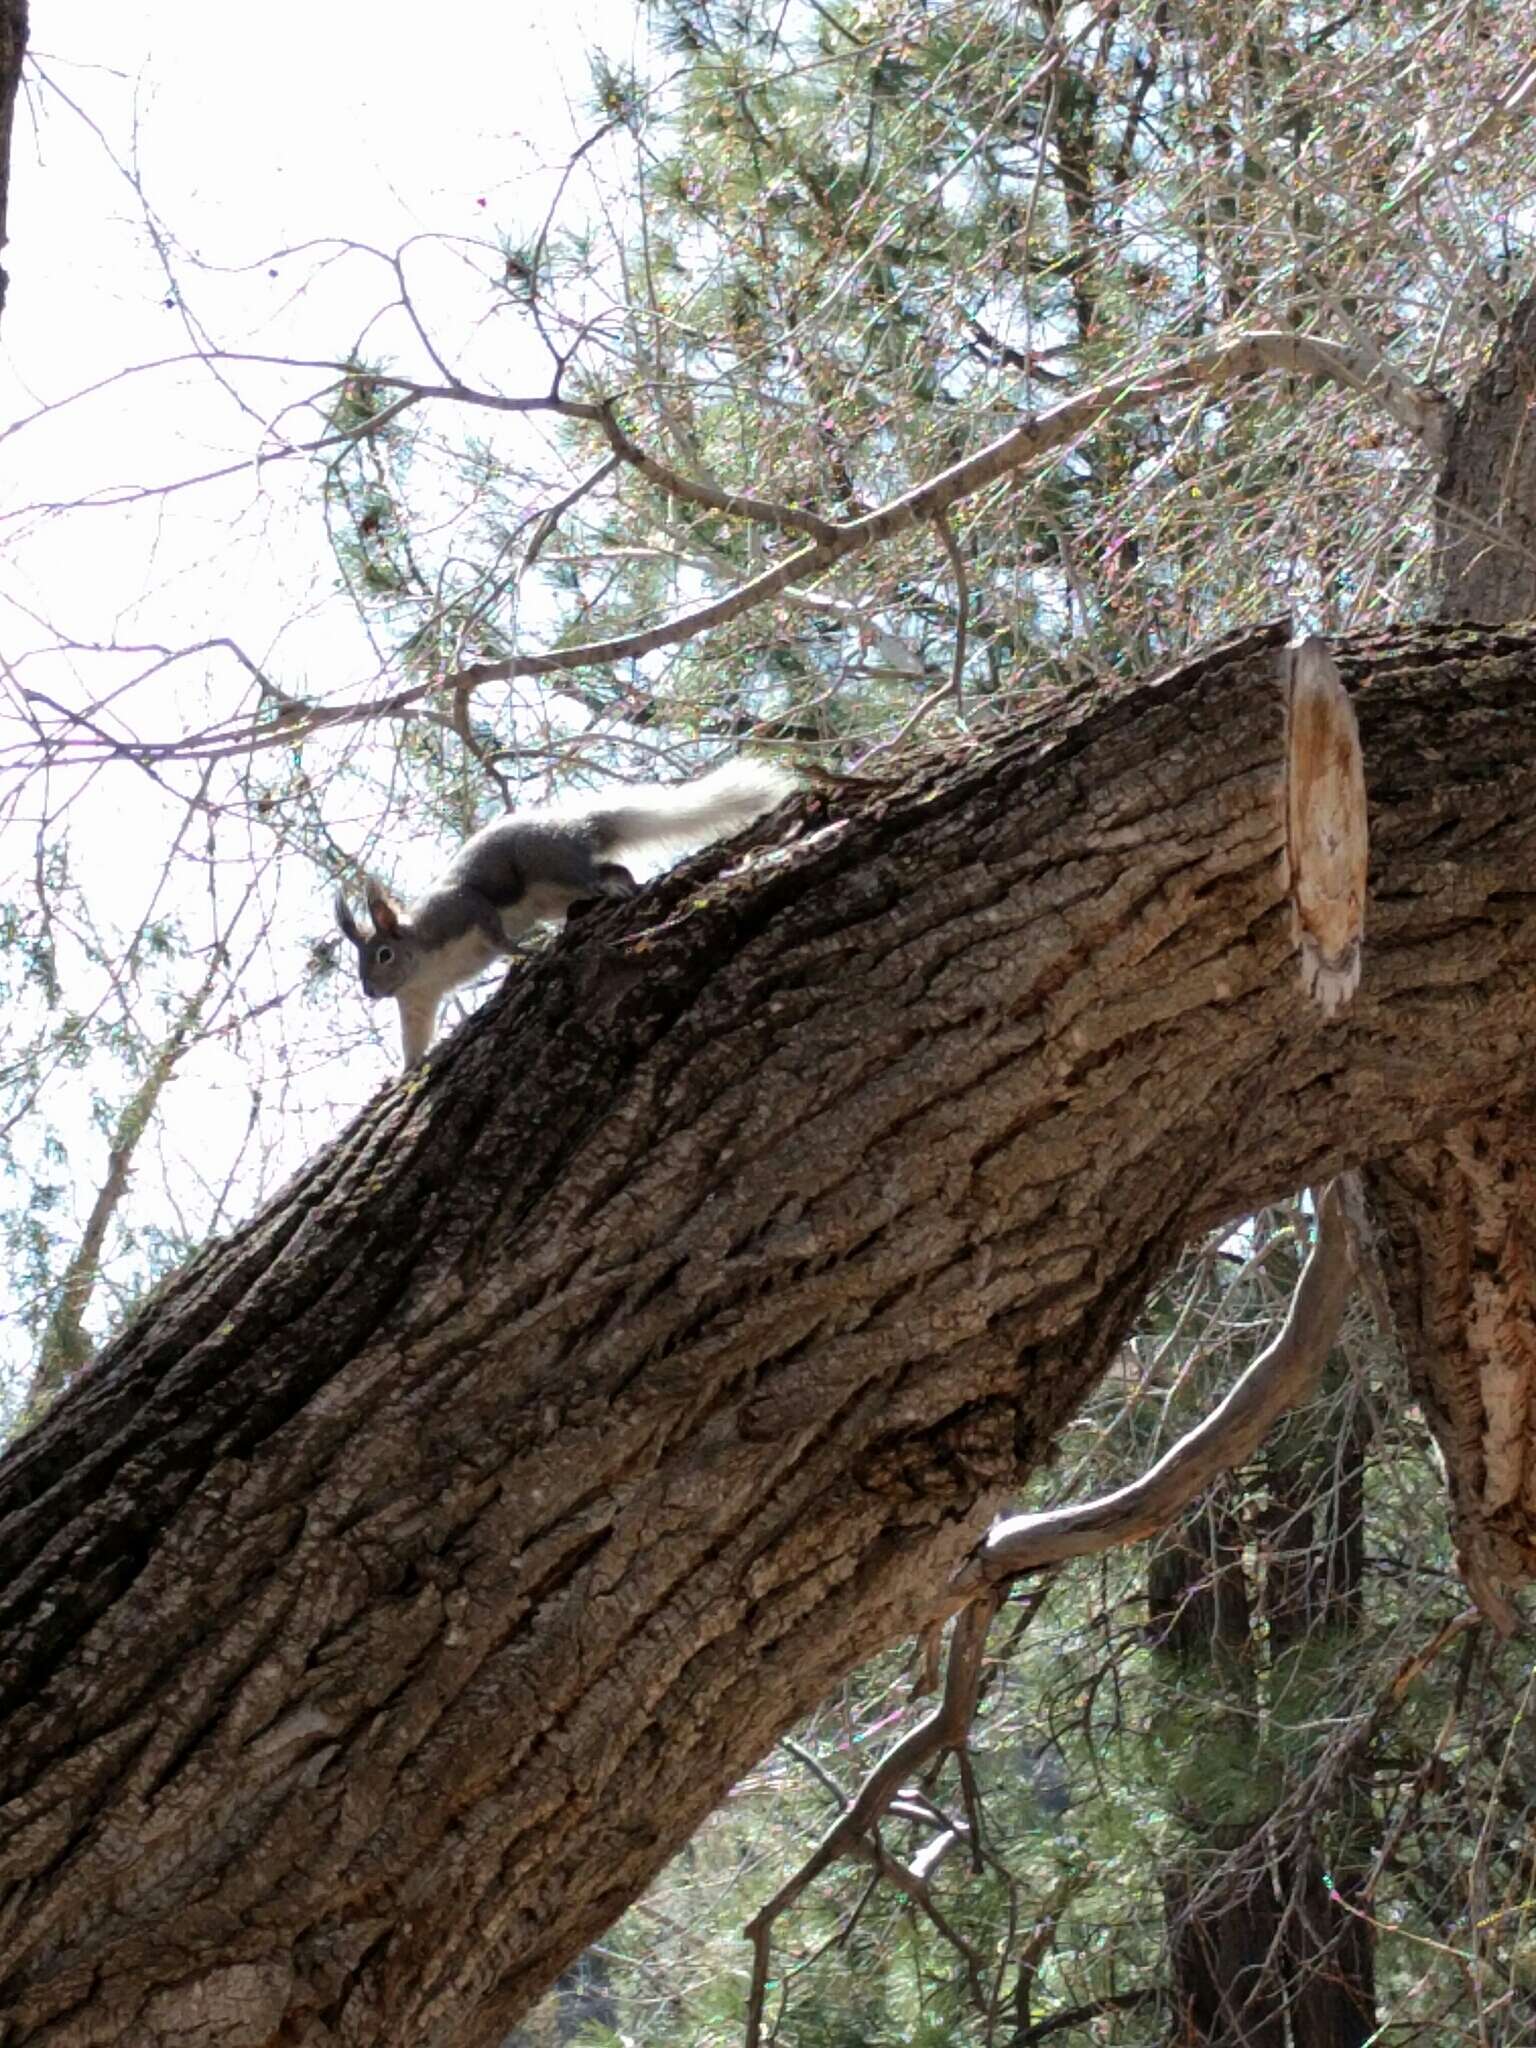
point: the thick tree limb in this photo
(400, 1590)
(1458, 1216)
(1459, 1251)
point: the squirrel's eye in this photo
(384, 955)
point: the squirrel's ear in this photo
(346, 920)
(385, 915)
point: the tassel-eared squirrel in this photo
(530, 866)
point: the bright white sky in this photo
(259, 127)
(256, 130)
(253, 131)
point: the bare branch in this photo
(549, 520)
(947, 1727)
(962, 603)
(1281, 1376)
(739, 504)
(1241, 357)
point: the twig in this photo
(947, 1727)
(963, 604)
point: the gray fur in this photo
(530, 867)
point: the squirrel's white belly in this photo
(455, 963)
(540, 903)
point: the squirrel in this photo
(531, 866)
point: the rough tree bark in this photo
(1457, 1218)
(1485, 502)
(399, 1591)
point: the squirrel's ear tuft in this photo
(385, 914)
(346, 920)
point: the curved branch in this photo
(1282, 1376)
(695, 491)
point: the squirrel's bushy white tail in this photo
(683, 814)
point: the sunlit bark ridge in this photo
(399, 1591)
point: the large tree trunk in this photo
(1225, 1988)
(1485, 502)
(1458, 1231)
(398, 1592)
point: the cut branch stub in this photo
(1326, 838)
